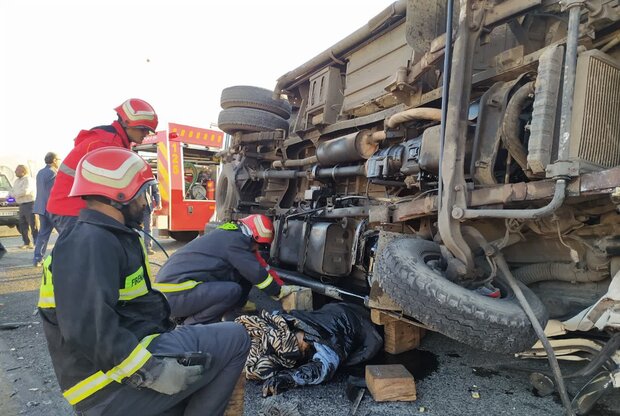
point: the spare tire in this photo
(226, 195)
(498, 325)
(254, 97)
(237, 119)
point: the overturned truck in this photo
(423, 179)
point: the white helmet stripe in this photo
(137, 115)
(262, 230)
(118, 178)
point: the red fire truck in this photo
(184, 160)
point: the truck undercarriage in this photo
(422, 178)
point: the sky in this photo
(67, 64)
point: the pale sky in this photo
(67, 64)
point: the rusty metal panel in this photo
(371, 67)
(595, 127)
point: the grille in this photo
(595, 127)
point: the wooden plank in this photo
(390, 383)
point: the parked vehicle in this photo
(184, 161)
(9, 210)
(425, 195)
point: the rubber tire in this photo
(498, 325)
(226, 195)
(237, 119)
(254, 97)
(183, 236)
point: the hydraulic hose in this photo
(492, 251)
(510, 125)
(318, 287)
(566, 272)
(553, 361)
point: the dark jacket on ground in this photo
(220, 255)
(60, 203)
(102, 304)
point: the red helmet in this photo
(113, 172)
(260, 226)
(137, 113)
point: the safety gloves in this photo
(279, 383)
(166, 376)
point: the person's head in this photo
(138, 118)
(21, 171)
(116, 177)
(259, 227)
(52, 159)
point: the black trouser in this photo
(27, 222)
(206, 302)
(227, 342)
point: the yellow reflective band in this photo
(265, 282)
(135, 286)
(87, 387)
(130, 365)
(99, 380)
(46, 291)
(229, 226)
(175, 287)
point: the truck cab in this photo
(433, 154)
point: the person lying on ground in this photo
(301, 348)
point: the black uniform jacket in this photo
(102, 309)
(220, 255)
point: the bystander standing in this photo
(24, 192)
(45, 181)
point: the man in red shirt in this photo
(136, 119)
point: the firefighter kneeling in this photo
(114, 348)
(213, 274)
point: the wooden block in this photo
(390, 383)
(379, 317)
(235, 404)
(401, 336)
(300, 300)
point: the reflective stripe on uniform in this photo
(66, 169)
(46, 291)
(135, 286)
(175, 287)
(229, 226)
(99, 380)
(265, 282)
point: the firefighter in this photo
(213, 274)
(113, 345)
(136, 119)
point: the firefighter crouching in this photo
(105, 326)
(213, 274)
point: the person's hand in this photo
(157, 207)
(170, 377)
(286, 290)
(277, 384)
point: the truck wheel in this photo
(236, 119)
(183, 236)
(409, 275)
(226, 196)
(254, 97)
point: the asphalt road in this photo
(451, 378)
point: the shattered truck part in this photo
(362, 156)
